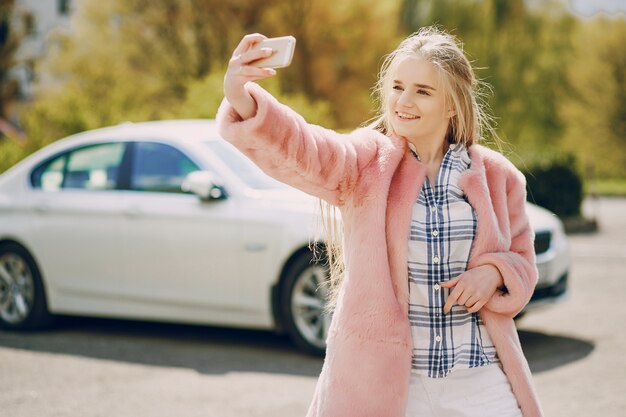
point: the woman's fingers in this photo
(452, 299)
(248, 42)
(464, 298)
(255, 55)
(249, 71)
(450, 283)
(239, 67)
(471, 301)
(249, 57)
(462, 295)
(476, 307)
(472, 289)
(265, 74)
(240, 72)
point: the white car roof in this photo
(175, 130)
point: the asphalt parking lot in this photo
(94, 367)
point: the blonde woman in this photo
(437, 249)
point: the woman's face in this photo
(417, 105)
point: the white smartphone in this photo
(283, 52)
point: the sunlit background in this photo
(557, 68)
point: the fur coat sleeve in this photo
(514, 233)
(316, 160)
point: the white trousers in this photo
(477, 392)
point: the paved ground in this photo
(111, 368)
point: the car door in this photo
(75, 214)
(179, 251)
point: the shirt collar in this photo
(458, 150)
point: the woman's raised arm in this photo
(240, 71)
(316, 160)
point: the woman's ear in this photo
(451, 112)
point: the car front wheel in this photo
(304, 294)
(22, 297)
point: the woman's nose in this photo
(404, 100)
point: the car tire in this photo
(22, 296)
(302, 301)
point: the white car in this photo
(166, 221)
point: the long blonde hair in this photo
(469, 124)
(471, 121)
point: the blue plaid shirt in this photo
(443, 227)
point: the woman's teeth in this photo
(406, 115)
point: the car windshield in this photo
(241, 166)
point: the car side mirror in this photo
(203, 184)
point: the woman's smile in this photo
(406, 116)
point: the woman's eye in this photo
(423, 92)
(397, 87)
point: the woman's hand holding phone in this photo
(242, 68)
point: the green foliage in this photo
(596, 112)
(204, 96)
(613, 187)
(521, 52)
(318, 112)
(9, 41)
(556, 185)
(11, 153)
(133, 60)
(558, 82)
(339, 48)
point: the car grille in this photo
(542, 242)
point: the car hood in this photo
(542, 219)
(294, 200)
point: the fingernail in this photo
(268, 51)
(272, 71)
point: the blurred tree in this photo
(137, 60)
(520, 51)
(9, 42)
(130, 60)
(556, 185)
(338, 52)
(11, 151)
(201, 100)
(596, 111)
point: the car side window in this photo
(50, 177)
(93, 167)
(158, 167)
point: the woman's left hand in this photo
(473, 288)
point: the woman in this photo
(438, 251)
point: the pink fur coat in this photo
(374, 180)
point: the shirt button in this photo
(433, 209)
(436, 287)
(436, 259)
(437, 338)
(435, 232)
